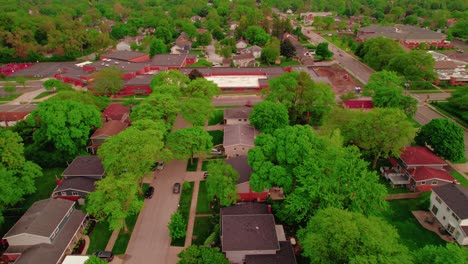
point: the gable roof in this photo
(248, 232)
(244, 56)
(84, 184)
(427, 173)
(245, 208)
(239, 135)
(13, 116)
(116, 111)
(284, 256)
(42, 218)
(358, 104)
(420, 156)
(456, 197)
(85, 166)
(175, 60)
(123, 55)
(400, 32)
(241, 165)
(237, 112)
(109, 128)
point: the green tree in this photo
(287, 49)
(268, 116)
(388, 92)
(66, 124)
(271, 51)
(95, 260)
(221, 183)
(17, 174)
(177, 226)
(322, 52)
(202, 255)
(445, 137)
(301, 96)
(86, 98)
(56, 85)
(195, 110)
(338, 236)
(200, 88)
(203, 39)
(451, 253)
(186, 142)
(256, 35)
(172, 77)
(377, 52)
(157, 46)
(108, 80)
(156, 107)
(114, 199)
(417, 66)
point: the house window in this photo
(435, 209)
(75, 193)
(438, 199)
(245, 119)
(240, 119)
(450, 228)
(63, 193)
(448, 209)
(423, 183)
(455, 217)
(235, 148)
(434, 182)
(243, 148)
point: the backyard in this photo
(203, 205)
(218, 137)
(216, 117)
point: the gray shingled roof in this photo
(124, 55)
(248, 232)
(168, 59)
(84, 184)
(241, 165)
(245, 208)
(284, 256)
(456, 197)
(239, 135)
(42, 218)
(85, 166)
(238, 112)
(401, 32)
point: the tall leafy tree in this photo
(377, 52)
(56, 85)
(172, 77)
(287, 49)
(451, 253)
(338, 236)
(200, 88)
(322, 51)
(108, 80)
(17, 174)
(177, 226)
(445, 137)
(256, 35)
(271, 51)
(156, 107)
(157, 46)
(202, 255)
(268, 116)
(187, 142)
(195, 110)
(221, 183)
(417, 66)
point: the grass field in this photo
(202, 229)
(42, 95)
(203, 205)
(218, 136)
(122, 240)
(462, 180)
(99, 237)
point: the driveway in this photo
(212, 56)
(150, 242)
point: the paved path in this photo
(112, 239)
(193, 212)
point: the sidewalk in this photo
(196, 177)
(112, 240)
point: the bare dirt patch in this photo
(342, 81)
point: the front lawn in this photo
(412, 234)
(203, 205)
(218, 136)
(202, 228)
(184, 208)
(122, 240)
(216, 117)
(460, 115)
(10, 97)
(192, 166)
(462, 180)
(99, 237)
(43, 94)
(202, 62)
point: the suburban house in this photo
(255, 50)
(173, 61)
(46, 233)
(241, 44)
(85, 166)
(182, 44)
(125, 55)
(8, 119)
(244, 60)
(237, 116)
(116, 111)
(362, 104)
(308, 17)
(238, 139)
(408, 36)
(418, 169)
(250, 235)
(449, 205)
(244, 191)
(108, 129)
(140, 84)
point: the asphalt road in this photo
(359, 70)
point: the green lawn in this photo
(458, 114)
(122, 240)
(463, 181)
(218, 137)
(412, 234)
(285, 63)
(10, 97)
(99, 237)
(192, 166)
(203, 205)
(415, 123)
(202, 62)
(426, 91)
(216, 117)
(204, 166)
(225, 106)
(43, 94)
(202, 229)
(184, 208)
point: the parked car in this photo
(149, 192)
(160, 165)
(107, 255)
(205, 175)
(216, 151)
(460, 51)
(176, 188)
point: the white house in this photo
(241, 44)
(449, 204)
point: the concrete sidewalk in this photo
(112, 239)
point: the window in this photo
(63, 193)
(434, 182)
(235, 148)
(455, 217)
(243, 148)
(435, 209)
(450, 228)
(438, 199)
(245, 119)
(240, 119)
(75, 193)
(423, 183)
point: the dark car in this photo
(205, 175)
(107, 255)
(149, 192)
(176, 188)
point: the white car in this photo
(216, 151)
(160, 165)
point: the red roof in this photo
(116, 112)
(358, 104)
(426, 173)
(420, 156)
(12, 116)
(110, 128)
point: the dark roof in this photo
(116, 111)
(244, 56)
(284, 256)
(400, 32)
(85, 166)
(126, 67)
(84, 184)
(456, 197)
(358, 104)
(420, 156)
(248, 232)
(42, 218)
(239, 135)
(439, 65)
(52, 253)
(144, 79)
(241, 165)
(43, 69)
(124, 55)
(110, 128)
(176, 60)
(245, 208)
(268, 71)
(238, 112)
(465, 230)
